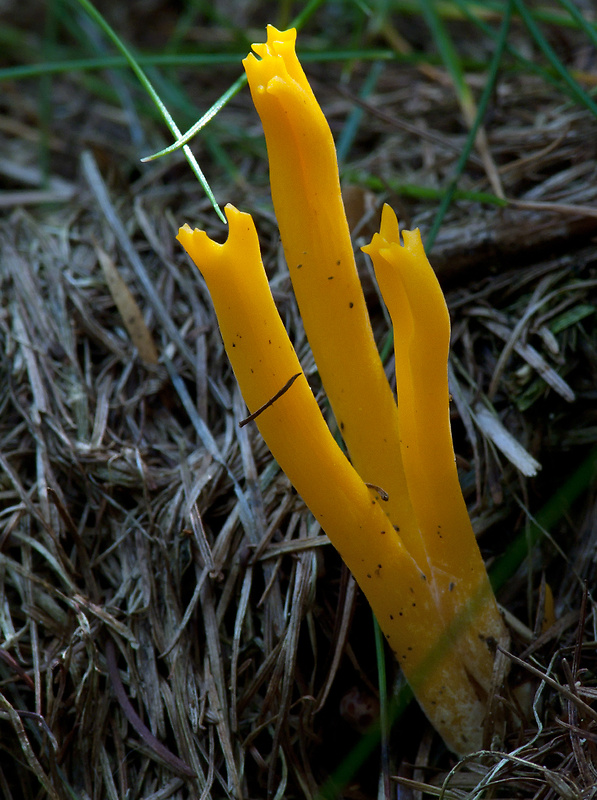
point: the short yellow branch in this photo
(399, 593)
(422, 337)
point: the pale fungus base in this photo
(415, 556)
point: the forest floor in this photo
(173, 624)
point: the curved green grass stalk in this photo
(183, 139)
(133, 63)
(580, 20)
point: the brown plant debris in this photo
(172, 622)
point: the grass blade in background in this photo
(480, 114)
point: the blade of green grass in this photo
(582, 23)
(452, 189)
(577, 91)
(45, 92)
(202, 122)
(555, 508)
(489, 10)
(482, 108)
(449, 57)
(384, 708)
(525, 63)
(351, 126)
(20, 71)
(428, 193)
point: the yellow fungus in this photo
(415, 555)
(294, 429)
(308, 203)
(422, 337)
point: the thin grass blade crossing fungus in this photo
(414, 553)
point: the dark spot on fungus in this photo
(330, 277)
(451, 586)
(351, 305)
(341, 426)
(391, 616)
(298, 266)
(368, 574)
(382, 533)
(396, 528)
(338, 263)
